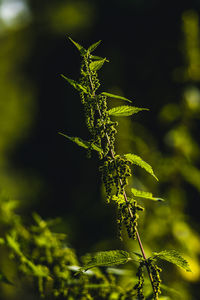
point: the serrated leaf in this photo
(75, 84)
(137, 160)
(146, 195)
(82, 143)
(93, 46)
(115, 96)
(174, 257)
(97, 64)
(4, 279)
(81, 49)
(124, 111)
(98, 58)
(105, 258)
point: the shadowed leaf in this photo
(75, 84)
(105, 258)
(82, 143)
(174, 257)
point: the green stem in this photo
(124, 192)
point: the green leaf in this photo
(78, 46)
(4, 279)
(97, 64)
(124, 110)
(82, 143)
(75, 84)
(115, 96)
(137, 254)
(137, 160)
(98, 58)
(174, 257)
(105, 258)
(94, 46)
(146, 195)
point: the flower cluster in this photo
(155, 272)
(115, 173)
(139, 285)
(127, 218)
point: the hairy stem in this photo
(124, 192)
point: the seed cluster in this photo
(115, 173)
(140, 284)
(99, 124)
(155, 271)
(125, 218)
(115, 168)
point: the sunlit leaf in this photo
(115, 96)
(94, 46)
(82, 143)
(146, 195)
(105, 258)
(97, 64)
(78, 46)
(174, 257)
(75, 84)
(137, 160)
(94, 57)
(124, 110)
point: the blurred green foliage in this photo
(170, 143)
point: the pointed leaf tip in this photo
(115, 96)
(97, 64)
(137, 160)
(146, 195)
(75, 84)
(82, 143)
(124, 110)
(94, 46)
(174, 257)
(81, 49)
(105, 258)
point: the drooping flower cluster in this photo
(124, 217)
(115, 173)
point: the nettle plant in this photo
(45, 256)
(116, 170)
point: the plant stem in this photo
(124, 192)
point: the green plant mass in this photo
(116, 170)
(45, 257)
